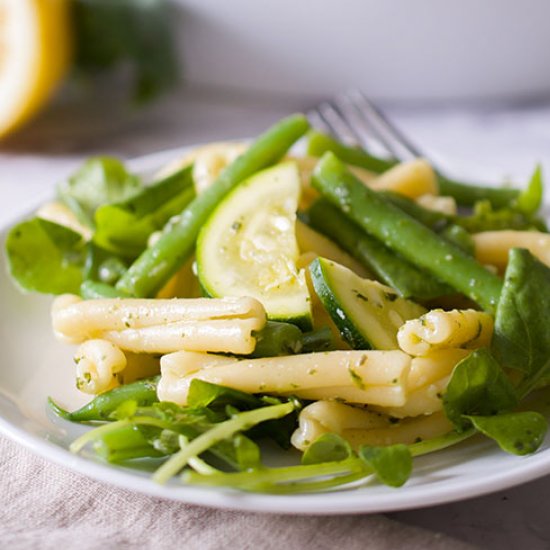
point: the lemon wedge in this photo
(35, 52)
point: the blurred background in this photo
(468, 81)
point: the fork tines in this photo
(354, 119)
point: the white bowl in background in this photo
(394, 49)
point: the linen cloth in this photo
(47, 507)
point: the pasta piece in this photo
(437, 203)
(412, 179)
(377, 377)
(98, 363)
(162, 326)
(57, 212)
(176, 366)
(435, 365)
(364, 427)
(492, 247)
(428, 377)
(439, 329)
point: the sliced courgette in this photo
(248, 246)
(367, 313)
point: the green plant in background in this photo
(136, 33)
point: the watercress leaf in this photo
(205, 394)
(530, 198)
(45, 257)
(521, 340)
(100, 180)
(477, 386)
(328, 447)
(518, 433)
(247, 453)
(124, 227)
(392, 465)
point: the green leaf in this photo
(522, 339)
(102, 265)
(486, 218)
(530, 200)
(45, 257)
(519, 433)
(124, 227)
(205, 394)
(327, 448)
(136, 33)
(99, 181)
(477, 386)
(392, 465)
(247, 453)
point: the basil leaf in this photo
(392, 465)
(477, 386)
(519, 433)
(124, 227)
(521, 340)
(327, 448)
(530, 200)
(99, 181)
(45, 257)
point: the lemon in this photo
(35, 53)
(248, 246)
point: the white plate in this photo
(34, 365)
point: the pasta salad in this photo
(358, 310)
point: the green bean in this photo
(91, 290)
(318, 340)
(404, 277)
(430, 218)
(465, 194)
(143, 392)
(277, 339)
(458, 235)
(403, 234)
(158, 263)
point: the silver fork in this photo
(354, 119)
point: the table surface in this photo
(477, 142)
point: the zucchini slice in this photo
(367, 313)
(248, 246)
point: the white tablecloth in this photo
(45, 506)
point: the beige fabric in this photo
(48, 507)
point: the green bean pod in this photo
(404, 277)
(143, 392)
(158, 263)
(465, 194)
(405, 235)
(277, 339)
